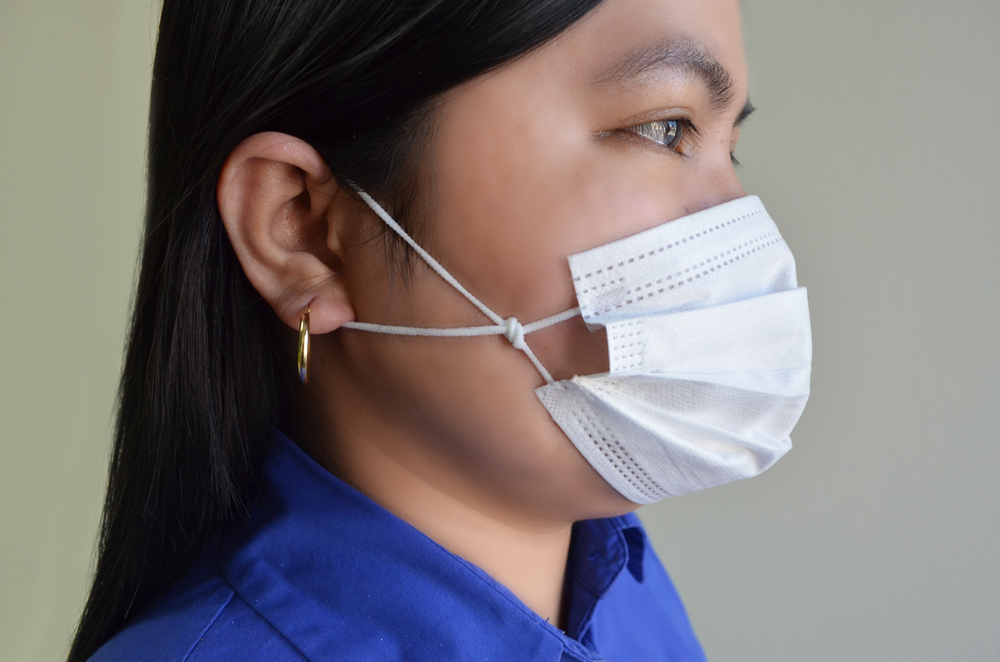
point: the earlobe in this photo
(284, 213)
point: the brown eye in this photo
(668, 133)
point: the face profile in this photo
(543, 158)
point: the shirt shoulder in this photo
(202, 619)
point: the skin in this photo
(526, 165)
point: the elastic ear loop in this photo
(510, 328)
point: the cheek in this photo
(499, 199)
(472, 417)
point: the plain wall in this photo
(877, 151)
(74, 88)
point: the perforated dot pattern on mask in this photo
(607, 443)
(692, 237)
(625, 343)
(692, 273)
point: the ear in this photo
(286, 216)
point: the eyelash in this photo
(663, 128)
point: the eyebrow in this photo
(686, 55)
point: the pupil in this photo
(670, 132)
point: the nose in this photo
(716, 185)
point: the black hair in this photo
(203, 383)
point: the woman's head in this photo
(624, 121)
(497, 133)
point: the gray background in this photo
(877, 151)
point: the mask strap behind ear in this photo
(510, 328)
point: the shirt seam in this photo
(201, 635)
(234, 593)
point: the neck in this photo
(529, 558)
(526, 554)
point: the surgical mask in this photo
(709, 346)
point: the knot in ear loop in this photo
(514, 332)
(509, 328)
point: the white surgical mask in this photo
(709, 345)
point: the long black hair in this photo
(202, 385)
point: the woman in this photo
(425, 481)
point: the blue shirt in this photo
(320, 572)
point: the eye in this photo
(668, 133)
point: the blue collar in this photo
(334, 572)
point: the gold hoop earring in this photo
(304, 345)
